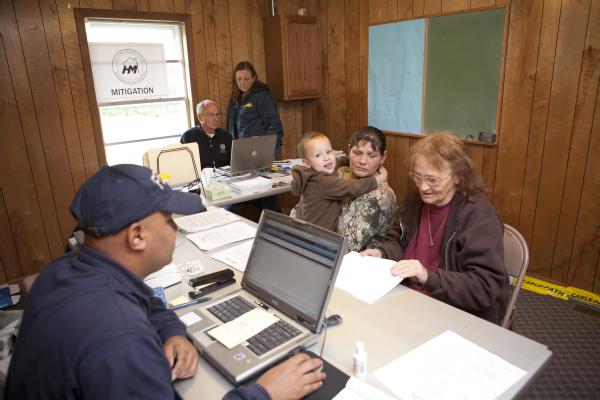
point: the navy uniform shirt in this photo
(93, 330)
(215, 152)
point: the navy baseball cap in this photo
(119, 195)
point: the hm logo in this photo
(130, 66)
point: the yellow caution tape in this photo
(560, 292)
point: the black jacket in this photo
(254, 115)
(215, 151)
(472, 275)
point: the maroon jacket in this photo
(321, 194)
(472, 276)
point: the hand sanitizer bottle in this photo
(360, 360)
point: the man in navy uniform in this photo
(93, 330)
(214, 143)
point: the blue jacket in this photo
(254, 115)
(93, 330)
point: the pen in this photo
(189, 303)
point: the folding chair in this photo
(516, 260)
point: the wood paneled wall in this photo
(544, 174)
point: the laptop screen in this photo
(293, 265)
(252, 153)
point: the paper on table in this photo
(166, 276)
(359, 390)
(449, 367)
(366, 278)
(205, 220)
(244, 327)
(237, 256)
(217, 237)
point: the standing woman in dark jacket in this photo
(252, 107)
(447, 237)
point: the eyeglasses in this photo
(212, 115)
(432, 181)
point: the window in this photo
(131, 126)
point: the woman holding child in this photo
(368, 217)
(321, 191)
(446, 234)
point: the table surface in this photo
(391, 327)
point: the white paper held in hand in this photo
(366, 278)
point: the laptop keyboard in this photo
(265, 340)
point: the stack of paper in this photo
(366, 278)
(205, 220)
(217, 237)
(449, 367)
(258, 184)
(164, 277)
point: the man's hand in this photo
(294, 378)
(409, 269)
(182, 357)
(372, 252)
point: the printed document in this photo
(236, 256)
(222, 235)
(449, 367)
(205, 220)
(243, 327)
(164, 277)
(366, 278)
(357, 389)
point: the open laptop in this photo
(291, 273)
(252, 153)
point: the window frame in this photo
(81, 14)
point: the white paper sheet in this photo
(357, 389)
(449, 367)
(366, 278)
(236, 256)
(222, 235)
(205, 220)
(243, 327)
(165, 277)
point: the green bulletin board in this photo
(464, 54)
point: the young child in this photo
(319, 188)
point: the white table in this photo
(398, 323)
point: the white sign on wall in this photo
(128, 71)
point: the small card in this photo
(190, 318)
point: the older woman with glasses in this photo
(446, 234)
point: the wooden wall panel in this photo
(35, 51)
(24, 247)
(35, 150)
(519, 81)
(563, 96)
(539, 117)
(580, 140)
